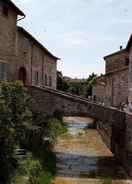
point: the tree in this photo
(15, 118)
(61, 83)
(91, 82)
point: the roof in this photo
(12, 5)
(36, 41)
(115, 53)
(129, 44)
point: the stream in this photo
(83, 158)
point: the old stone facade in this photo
(129, 49)
(117, 66)
(22, 57)
(114, 92)
(8, 19)
(98, 90)
(39, 64)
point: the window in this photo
(46, 82)
(3, 71)
(5, 11)
(36, 77)
(50, 81)
(127, 62)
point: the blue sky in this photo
(80, 32)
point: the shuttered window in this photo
(50, 81)
(36, 78)
(46, 80)
(3, 71)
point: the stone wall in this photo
(116, 61)
(117, 88)
(130, 75)
(98, 92)
(115, 91)
(7, 38)
(37, 62)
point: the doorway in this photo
(22, 75)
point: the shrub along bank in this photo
(26, 139)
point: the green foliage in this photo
(29, 169)
(91, 81)
(55, 128)
(75, 88)
(45, 177)
(62, 85)
(15, 118)
(17, 131)
(81, 88)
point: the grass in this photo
(108, 181)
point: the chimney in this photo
(121, 47)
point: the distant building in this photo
(116, 77)
(22, 57)
(112, 88)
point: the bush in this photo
(55, 128)
(30, 169)
(15, 118)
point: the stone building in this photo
(98, 91)
(22, 57)
(129, 50)
(117, 67)
(35, 64)
(114, 90)
(8, 19)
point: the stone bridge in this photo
(114, 126)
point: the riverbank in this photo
(37, 161)
(83, 158)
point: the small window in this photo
(46, 81)
(36, 78)
(5, 11)
(3, 71)
(127, 62)
(50, 81)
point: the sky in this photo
(80, 32)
